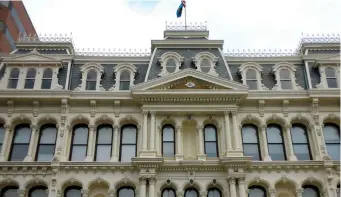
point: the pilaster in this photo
(34, 131)
(179, 154)
(201, 155)
(5, 144)
(116, 142)
(264, 141)
(291, 154)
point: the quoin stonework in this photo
(185, 118)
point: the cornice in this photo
(111, 60)
(182, 34)
(277, 95)
(324, 93)
(100, 95)
(23, 93)
(187, 43)
(264, 60)
(188, 108)
(286, 166)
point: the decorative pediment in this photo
(189, 79)
(33, 57)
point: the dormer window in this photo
(251, 76)
(125, 76)
(285, 76)
(205, 62)
(13, 78)
(125, 80)
(331, 77)
(30, 78)
(91, 80)
(47, 79)
(170, 63)
(91, 77)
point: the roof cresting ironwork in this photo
(23, 37)
(190, 26)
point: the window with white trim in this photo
(285, 77)
(205, 62)
(170, 63)
(251, 76)
(91, 77)
(125, 80)
(47, 79)
(13, 78)
(30, 78)
(125, 77)
(329, 76)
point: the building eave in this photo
(187, 44)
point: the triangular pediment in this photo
(189, 79)
(32, 57)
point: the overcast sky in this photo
(242, 24)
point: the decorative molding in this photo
(111, 52)
(92, 108)
(261, 52)
(165, 58)
(10, 107)
(261, 108)
(190, 26)
(315, 110)
(35, 108)
(285, 105)
(85, 69)
(206, 56)
(258, 69)
(118, 69)
(292, 69)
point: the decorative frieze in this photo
(285, 107)
(35, 108)
(315, 110)
(10, 108)
(92, 108)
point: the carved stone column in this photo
(236, 133)
(266, 156)
(152, 131)
(232, 185)
(179, 154)
(89, 155)
(116, 142)
(34, 130)
(316, 133)
(152, 182)
(242, 190)
(201, 155)
(85, 193)
(5, 143)
(21, 192)
(145, 130)
(158, 141)
(272, 192)
(299, 192)
(291, 154)
(142, 187)
(228, 135)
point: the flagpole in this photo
(186, 18)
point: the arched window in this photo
(213, 192)
(128, 142)
(300, 142)
(47, 79)
(191, 192)
(125, 80)
(79, 143)
(332, 139)
(10, 191)
(310, 191)
(2, 135)
(168, 192)
(211, 141)
(103, 143)
(13, 78)
(331, 77)
(205, 65)
(126, 192)
(30, 78)
(39, 191)
(285, 79)
(46, 143)
(91, 80)
(168, 141)
(257, 191)
(73, 191)
(275, 142)
(21, 142)
(251, 142)
(251, 79)
(171, 65)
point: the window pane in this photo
(276, 152)
(249, 134)
(39, 193)
(80, 135)
(302, 151)
(10, 193)
(205, 65)
(126, 192)
(191, 193)
(19, 152)
(74, 193)
(31, 73)
(168, 134)
(78, 153)
(331, 134)
(252, 150)
(2, 134)
(22, 135)
(252, 84)
(284, 74)
(129, 135)
(332, 83)
(210, 133)
(256, 192)
(274, 134)
(214, 193)
(334, 151)
(92, 74)
(29, 83)
(48, 135)
(299, 134)
(46, 84)
(45, 152)
(124, 85)
(251, 74)
(14, 73)
(90, 85)
(211, 149)
(125, 76)
(310, 192)
(168, 193)
(330, 72)
(47, 73)
(168, 149)
(171, 65)
(127, 152)
(103, 152)
(12, 83)
(104, 135)
(286, 85)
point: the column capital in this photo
(231, 180)
(234, 112)
(263, 126)
(85, 192)
(299, 191)
(203, 193)
(34, 127)
(226, 113)
(200, 127)
(116, 127)
(142, 180)
(8, 127)
(152, 180)
(152, 113)
(92, 127)
(178, 128)
(241, 180)
(287, 126)
(145, 112)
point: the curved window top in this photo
(205, 62)
(251, 76)
(168, 192)
(257, 191)
(92, 74)
(170, 63)
(125, 192)
(191, 192)
(331, 77)
(213, 192)
(91, 77)
(331, 134)
(125, 76)
(330, 72)
(39, 191)
(73, 191)
(47, 73)
(285, 76)
(14, 73)
(31, 73)
(10, 191)
(310, 191)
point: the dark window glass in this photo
(13, 78)
(205, 65)
(251, 142)
(168, 192)
(338, 190)
(332, 139)
(168, 141)
(20, 143)
(211, 142)
(11, 191)
(47, 79)
(30, 78)
(103, 143)
(125, 80)
(300, 142)
(191, 192)
(256, 192)
(285, 79)
(47, 143)
(171, 65)
(2, 135)
(310, 191)
(91, 80)
(38, 192)
(73, 192)
(251, 79)
(128, 143)
(331, 78)
(275, 142)
(126, 192)
(213, 193)
(79, 143)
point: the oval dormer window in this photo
(205, 65)
(171, 65)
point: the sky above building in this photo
(242, 24)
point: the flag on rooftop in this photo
(179, 10)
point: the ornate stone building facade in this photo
(185, 119)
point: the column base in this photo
(114, 159)
(2, 158)
(293, 158)
(89, 158)
(148, 153)
(267, 158)
(28, 158)
(201, 157)
(234, 153)
(179, 157)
